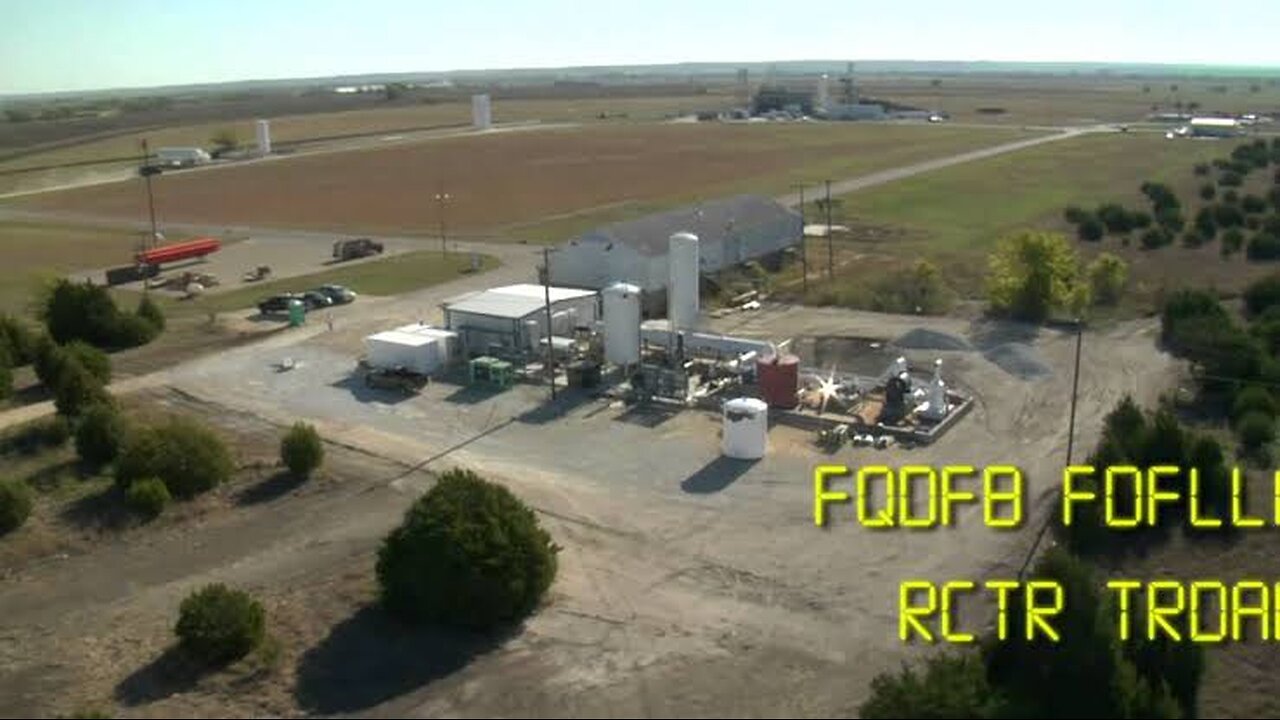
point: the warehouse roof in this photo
(512, 301)
(1215, 121)
(711, 221)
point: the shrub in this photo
(1252, 399)
(469, 553)
(1155, 238)
(218, 625)
(17, 339)
(132, 331)
(1262, 294)
(1230, 197)
(950, 686)
(1115, 218)
(1263, 246)
(1253, 204)
(46, 360)
(1161, 196)
(301, 449)
(188, 456)
(1206, 222)
(90, 358)
(1074, 214)
(1208, 191)
(917, 289)
(1195, 238)
(1107, 276)
(1273, 197)
(6, 376)
(1140, 220)
(1232, 241)
(147, 497)
(76, 390)
(1228, 215)
(1090, 229)
(1202, 169)
(1256, 430)
(1170, 219)
(99, 435)
(83, 311)
(1231, 178)
(150, 311)
(15, 505)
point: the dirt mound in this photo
(1019, 360)
(924, 339)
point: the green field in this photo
(392, 276)
(34, 251)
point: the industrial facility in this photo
(729, 231)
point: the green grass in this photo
(36, 251)
(390, 276)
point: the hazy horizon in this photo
(79, 45)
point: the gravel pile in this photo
(925, 339)
(1018, 359)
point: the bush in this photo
(1256, 430)
(17, 339)
(1202, 169)
(1195, 238)
(77, 389)
(1091, 229)
(1231, 179)
(1253, 204)
(1232, 241)
(1115, 218)
(218, 625)
(133, 331)
(1208, 191)
(917, 289)
(148, 310)
(99, 435)
(1074, 214)
(90, 358)
(301, 449)
(6, 376)
(1228, 216)
(1161, 196)
(1107, 276)
(1230, 197)
(1253, 222)
(147, 497)
(83, 311)
(1171, 220)
(1206, 222)
(46, 360)
(1156, 238)
(1031, 274)
(1252, 399)
(951, 686)
(1140, 220)
(1263, 246)
(469, 554)
(15, 505)
(1262, 294)
(188, 456)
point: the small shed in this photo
(512, 320)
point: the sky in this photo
(65, 45)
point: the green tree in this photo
(6, 374)
(90, 358)
(15, 505)
(1107, 276)
(1031, 274)
(218, 625)
(99, 435)
(1208, 191)
(150, 311)
(1263, 246)
(1090, 229)
(77, 390)
(1232, 241)
(1262, 294)
(188, 456)
(1156, 238)
(1202, 168)
(17, 339)
(950, 686)
(1256, 430)
(301, 449)
(469, 554)
(148, 497)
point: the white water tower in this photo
(621, 324)
(263, 128)
(481, 112)
(682, 285)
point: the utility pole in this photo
(1071, 437)
(147, 171)
(441, 198)
(546, 290)
(831, 254)
(804, 245)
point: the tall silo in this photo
(621, 324)
(481, 112)
(823, 98)
(263, 128)
(682, 285)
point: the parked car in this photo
(279, 303)
(314, 300)
(355, 248)
(394, 378)
(339, 294)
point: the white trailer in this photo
(418, 348)
(181, 156)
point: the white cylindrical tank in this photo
(532, 333)
(746, 428)
(264, 137)
(621, 324)
(823, 94)
(682, 285)
(481, 112)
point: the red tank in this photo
(185, 250)
(779, 380)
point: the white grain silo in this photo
(621, 324)
(682, 285)
(263, 128)
(746, 429)
(823, 95)
(481, 112)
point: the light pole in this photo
(441, 199)
(546, 291)
(831, 255)
(147, 170)
(804, 246)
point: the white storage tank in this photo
(682, 288)
(746, 428)
(621, 324)
(264, 137)
(481, 112)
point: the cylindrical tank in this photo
(746, 428)
(621, 324)
(682, 285)
(779, 378)
(532, 333)
(264, 137)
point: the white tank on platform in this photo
(746, 428)
(682, 285)
(621, 324)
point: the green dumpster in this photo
(297, 313)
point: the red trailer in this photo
(185, 250)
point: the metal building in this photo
(729, 231)
(511, 321)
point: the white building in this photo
(512, 320)
(1215, 127)
(729, 231)
(181, 156)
